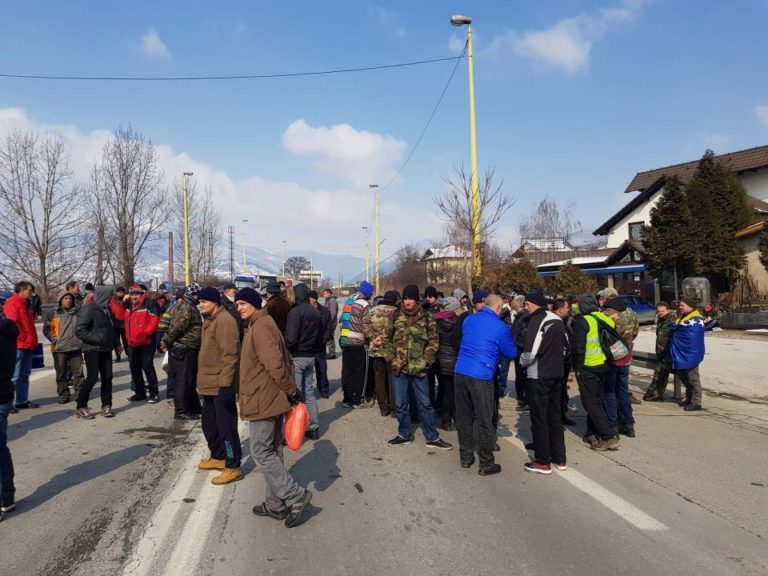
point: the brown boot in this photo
(229, 475)
(212, 464)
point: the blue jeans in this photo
(420, 387)
(616, 397)
(21, 374)
(6, 462)
(305, 384)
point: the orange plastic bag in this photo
(296, 422)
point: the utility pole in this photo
(231, 230)
(170, 257)
(365, 229)
(378, 233)
(187, 264)
(282, 256)
(245, 263)
(211, 266)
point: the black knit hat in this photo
(250, 296)
(210, 294)
(411, 293)
(536, 298)
(430, 291)
(390, 297)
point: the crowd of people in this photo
(438, 362)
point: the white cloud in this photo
(456, 43)
(762, 113)
(277, 210)
(358, 156)
(568, 43)
(389, 20)
(153, 46)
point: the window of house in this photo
(636, 231)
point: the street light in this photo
(282, 256)
(245, 263)
(187, 263)
(459, 20)
(365, 230)
(375, 187)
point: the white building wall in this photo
(756, 184)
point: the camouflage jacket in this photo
(186, 326)
(626, 322)
(414, 342)
(377, 321)
(664, 336)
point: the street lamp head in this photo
(459, 20)
(187, 173)
(373, 185)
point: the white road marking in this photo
(613, 502)
(188, 547)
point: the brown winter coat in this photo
(267, 376)
(219, 354)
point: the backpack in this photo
(614, 347)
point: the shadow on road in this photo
(319, 465)
(82, 473)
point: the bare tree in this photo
(41, 235)
(408, 269)
(204, 231)
(455, 205)
(129, 184)
(295, 264)
(547, 221)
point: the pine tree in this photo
(716, 200)
(667, 240)
(571, 281)
(763, 247)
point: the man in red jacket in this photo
(18, 309)
(141, 320)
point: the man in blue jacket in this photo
(688, 351)
(485, 337)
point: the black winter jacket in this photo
(446, 353)
(549, 363)
(304, 336)
(95, 326)
(8, 334)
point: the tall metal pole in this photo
(245, 264)
(170, 257)
(187, 263)
(365, 229)
(282, 256)
(231, 230)
(473, 152)
(378, 234)
(211, 265)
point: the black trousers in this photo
(564, 392)
(353, 359)
(141, 362)
(447, 400)
(435, 381)
(219, 422)
(475, 400)
(382, 377)
(591, 390)
(321, 370)
(520, 378)
(121, 340)
(182, 367)
(545, 401)
(97, 364)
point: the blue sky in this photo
(573, 98)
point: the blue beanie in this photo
(366, 288)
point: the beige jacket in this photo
(219, 354)
(267, 376)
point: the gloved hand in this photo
(294, 399)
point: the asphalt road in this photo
(688, 496)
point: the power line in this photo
(429, 120)
(227, 77)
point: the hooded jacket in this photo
(304, 335)
(219, 354)
(267, 375)
(141, 322)
(484, 339)
(59, 327)
(20, 311)
(351, 321)
(278, 306)
(95, 327)
(446, 353)
(543, 353)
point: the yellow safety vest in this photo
(594, 355)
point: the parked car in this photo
(646, 313)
